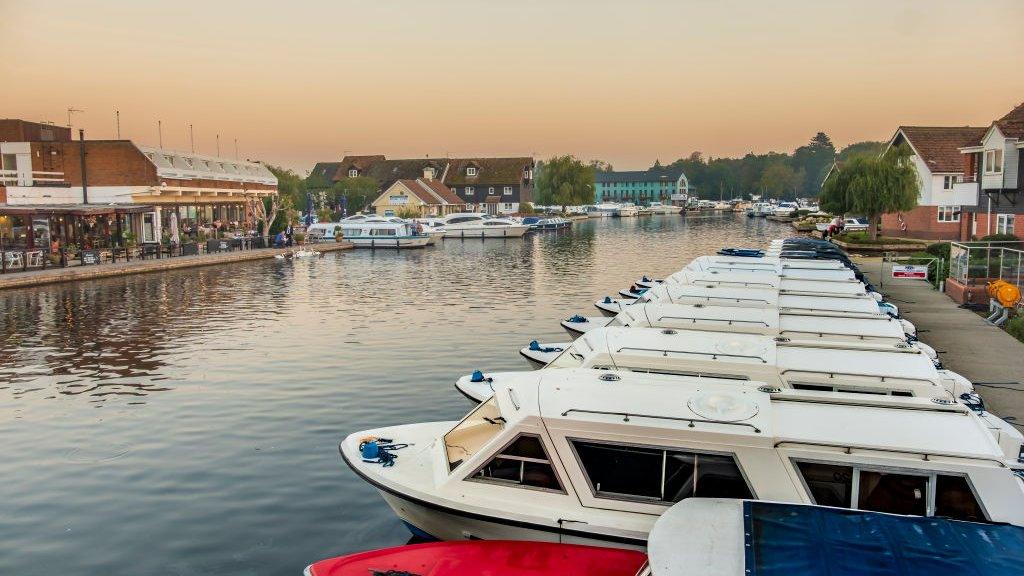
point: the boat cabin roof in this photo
(811, 364)
(757, 321)
(584, 399)
(779, 264)
(760, 297)
(800, 281)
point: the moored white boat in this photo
(480, 225)
(380, 232)
(661, 208)
(601, 454)
(626, 210)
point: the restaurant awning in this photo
(73, 209)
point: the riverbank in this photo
(984, 354)
(73, 273)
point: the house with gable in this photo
(936, 158)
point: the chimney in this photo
(428, 173)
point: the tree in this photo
(814, 158)
(601, 166)
(872, 186)
(265, 210)
(565, 181)
(777, 179)
(359, 192)
(867, 147)
(289, 184)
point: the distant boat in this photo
(626, 210)
(659, 208)
(380, 232)
(480, 225)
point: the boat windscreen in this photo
(786, 539)
(474, 431)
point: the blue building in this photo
(668, 186)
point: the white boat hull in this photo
(487, 232)
(614, 307)
(435, 522)
(385, 242)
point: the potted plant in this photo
(300, 238)
(338, 236)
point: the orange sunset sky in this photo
(628, 82)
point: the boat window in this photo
(383, 232)
(524, 462)
(955, 499)
(475, 430)
(893, 492)
(659, 475)
(351, 232)
(829, 484)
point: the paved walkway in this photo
(984, 354)
(72, 273)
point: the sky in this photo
(626, 82)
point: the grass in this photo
(864, 238)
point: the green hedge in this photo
(1015, 328)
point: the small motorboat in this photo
(485, 557)
(660, 208)
(542, 223)
(626, 210)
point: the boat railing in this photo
(690, 421)
(792, 311)
(893, 348)
(695, 319)
(719, 298)
(791, 292)
(835, 374)
(925, 456)
(713, 355)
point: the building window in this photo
(490, 191)
(507, 191)
(469, 190)
(508, 205)
(471, 171)
(892, 491)
(948, 182)
(657, 475)
(993, 161)
(353, 173)
(1004, 223)
(949, 213)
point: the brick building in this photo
(53, 186)
(937, 160)
(493, 185)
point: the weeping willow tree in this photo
(564, 181)
(872, 186)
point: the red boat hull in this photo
(486, 558)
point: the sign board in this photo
(90, 257)
(190, 249)
(911, 271)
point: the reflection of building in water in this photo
(120, 336)
(97, 192)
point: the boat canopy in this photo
(751, 538)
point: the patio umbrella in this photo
(174, 228)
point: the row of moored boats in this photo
(374, 231)
(772, 382)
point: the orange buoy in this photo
(1003, 292)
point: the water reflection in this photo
(186, 422)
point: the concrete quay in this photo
(987, 356)
(74, 273)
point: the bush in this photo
(407, 212)
(526, 208)
(1015, 328)
(1000, 238)
(939, 250)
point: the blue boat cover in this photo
(791, 539)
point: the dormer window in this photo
(353, 172)
(471, 171)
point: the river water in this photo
(186, 423)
